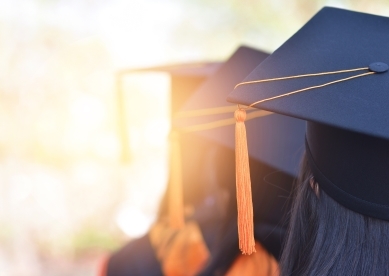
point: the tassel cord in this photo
(176, 201)
(243, 187)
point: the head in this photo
(325, 238)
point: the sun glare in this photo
(133, 222)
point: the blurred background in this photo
(83, 167)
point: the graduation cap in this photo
(333, 73)
(185, 78)
(276, 141)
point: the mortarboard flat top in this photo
(348, 122)
(184, 69)
(277, 140)
(332, 40)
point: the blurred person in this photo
(337, 79)
(138, 257)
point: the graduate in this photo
(138, 257)
(333, 73)
(277, 143)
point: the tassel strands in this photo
(243, 186)
(176, 201)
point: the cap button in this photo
(378, 67)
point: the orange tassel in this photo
(243, 186)
(176, 201)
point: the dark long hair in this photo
(324, 238)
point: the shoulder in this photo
(135, 258)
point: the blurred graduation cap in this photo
(275, 142)
(185, 78)
(333, 73)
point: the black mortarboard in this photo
(347, 136)
(276, 142)
(273, 139)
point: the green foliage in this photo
(91, 239)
